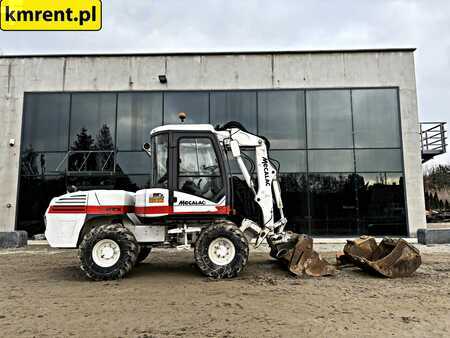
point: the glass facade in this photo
(339, 149)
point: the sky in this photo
(233, 25)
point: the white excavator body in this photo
(196, 199)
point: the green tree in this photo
(104, 140)
(82, 159)
(427, 200)
(435, 201)
(437, 178)
(84, 141)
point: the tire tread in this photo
(129, 252)
(227, 229)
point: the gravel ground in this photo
(44, 294)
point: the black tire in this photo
(231, 232)
(143, 253)
(129, 250)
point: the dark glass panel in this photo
(331, 161)
(33, 163)
(93, 121)
(376, 118)
(46, 122)
(281, 118)
(382, 204)
(333, 204)
(133, 163)
(329, 119)
(194, 104)
(35, 194)
(294, 195)
(248, 156)
(94, 161)
(234, 106)
(291, 161)
(370, 160)
(132, 182)
(91, 182)
(137, 115)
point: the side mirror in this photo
(147, 147)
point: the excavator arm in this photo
(293, 249)
(268, 190)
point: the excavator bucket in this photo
(300, 257)
(391, 258)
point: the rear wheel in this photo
(221, 250)
(143, 253)
(108, 252)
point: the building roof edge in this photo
(201, 53)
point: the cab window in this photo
(198, 169)
(161, 161)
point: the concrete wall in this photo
(210, 71)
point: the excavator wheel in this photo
(221, 250)
(108, 252)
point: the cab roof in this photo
(183, 127)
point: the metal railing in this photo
(88, 161)
(433, 139)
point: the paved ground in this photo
(44, 294)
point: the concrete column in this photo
(412, 157)
(9, 154)
(10, 122)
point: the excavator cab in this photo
(193, 167)
(189, 165)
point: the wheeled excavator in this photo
(202, 194)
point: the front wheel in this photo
(108, 252)
(221, 250)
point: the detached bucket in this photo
(300, 257)
(391, 258)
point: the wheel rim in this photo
(106, 253)
(221, 251)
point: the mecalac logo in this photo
(265, 163)
(192, 203)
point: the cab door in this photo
(155, 201)
(199, 184)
